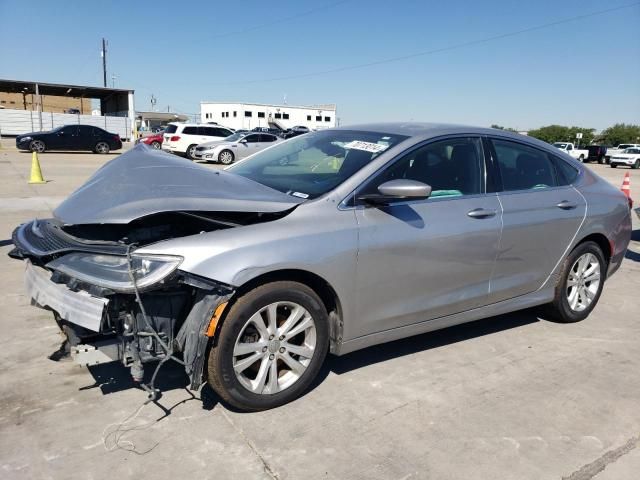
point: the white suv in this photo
(183, 138)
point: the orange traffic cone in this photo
(36, 173)
(626, 185)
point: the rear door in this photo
(87, 137)
(542, 213)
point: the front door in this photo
(419, 260)
(541, 216)
(65, 138)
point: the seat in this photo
(531, 172)
(353, 161)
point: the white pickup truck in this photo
(615, 151)
(572, 150)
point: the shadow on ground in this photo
(114, 377)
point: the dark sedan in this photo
(70, 137)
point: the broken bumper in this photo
(79, 308)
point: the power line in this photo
(434, 51)
(280, 20)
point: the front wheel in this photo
(613, 165)
(580, 285)
(37, 146)
(225, 157)
(270, 347)
(602, 160)
(581, 159)
(636, 165)
(102, 148)
(156, 145)
(191, 152)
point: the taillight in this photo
(175, 138)
(116, 137)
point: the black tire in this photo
(226, 157)
(220, 371)
(559, 309)
(191, 151)
(156, 145)
(581, 159)
(37, 146)
(636, 165)
(101, 148)
(602, 160)
(613, 165)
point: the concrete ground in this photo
(509, 397)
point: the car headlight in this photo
(25, 139)
(112, 271)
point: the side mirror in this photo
(397, 191)
(244, 140)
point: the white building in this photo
(251, 115)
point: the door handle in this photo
(481, 213)
(566, 205)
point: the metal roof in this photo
(60, 89)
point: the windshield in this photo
(623, 146)
(235, 137)
(171, 128)
(313, 164)
(560, 145)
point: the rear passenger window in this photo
(267, 138)
(567, 174)
(190, 131)
(523, 167)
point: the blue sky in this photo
(585, 72)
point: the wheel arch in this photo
(315, 282)
(602, 241)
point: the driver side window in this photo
(452, 167)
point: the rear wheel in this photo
(270, 347)
(613, 165)
(156, 145)
(602, 160)
(191, 152)
(37, 146)
(581, 158)
(101, 147)
(580, 285)
(226, 157)
(636, 165)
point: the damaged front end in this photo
(114, 305)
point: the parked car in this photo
(235, 147)
(364, 235)
(629, 157)
(619, 149)
(597, 153)
(569, 148)
(183, 138)
(75, 111)
(272, 131)
(295, 131)
(154, 141)
(70, 137)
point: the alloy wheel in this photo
(226, 157)
(102, 147)
(583, 282)
(37, 146)
(274, 348)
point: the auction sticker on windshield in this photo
(366, 146)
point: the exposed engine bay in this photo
(132, 321)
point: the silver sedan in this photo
(235, 147)
(329, 242)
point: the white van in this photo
(183, 138)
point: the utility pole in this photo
(104, 62)
(154, 100)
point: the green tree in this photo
(561, 133)
(500, 127)
(620, 133)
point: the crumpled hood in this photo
(145, 181)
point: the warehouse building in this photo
(251, 115)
